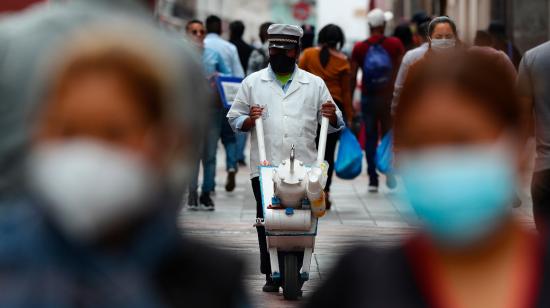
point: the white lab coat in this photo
(290, 118)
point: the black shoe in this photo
(391, 182)
(242, 163)
(192, 201)
(230, 184)
(270, 285)
(373, 185)
(328, 203)
(206, 202)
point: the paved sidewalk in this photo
(356, 217)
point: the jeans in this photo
(241, 144)
(540, 191)
(208, 154)
(376, 112)
(229, 141)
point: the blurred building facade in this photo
(526, 21)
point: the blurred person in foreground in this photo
(26, 36)
(379, 67)
(213, 66)
(459, 132)
(533, 84)
(111, 146)
(292, 103)
(230, 55)
(329, 63)
(236, 32)
(259, 58)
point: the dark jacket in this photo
(156, 267)
(387, 278)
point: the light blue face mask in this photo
(461, 194)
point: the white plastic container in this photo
(299, 220)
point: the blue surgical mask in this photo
(461, 194)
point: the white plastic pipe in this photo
(322, 141)
(261, 140)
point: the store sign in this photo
(7, 6)
(301, 10)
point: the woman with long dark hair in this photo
(329, 63)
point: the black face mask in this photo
(282, 64)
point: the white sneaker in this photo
(373, 189)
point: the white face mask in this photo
(88, 187)
(442, 44)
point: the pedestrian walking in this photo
(329, 63)
(441, 36)
(259, 58)
(228, 51)
(533, 84)
(236, 30)
(404, 33)
(378, 58)
(458, 127)
(213, 66)
(292, 103)
(500, 41)
(110, 122)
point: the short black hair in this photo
(498, 29)
(236, 29)
(441, 20)
(263, 31)
(192, 21)
(213, 24)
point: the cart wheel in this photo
(290, 279)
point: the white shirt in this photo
(228, 51)
(290, 117)
(409, 59)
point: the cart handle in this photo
(322, 141)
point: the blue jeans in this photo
(208, 155)
(229, 141)
(241, 144)
(377, 118)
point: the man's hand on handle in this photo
(255, 113)
(328, 110)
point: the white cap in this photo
(377, 17)
(284, 36)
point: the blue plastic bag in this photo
(384, 154)
(348, 164)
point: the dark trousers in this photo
(540, 191)
(376, 112)
(265, 266)
(332, 140)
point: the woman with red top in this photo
(459, 131)
(329, 63)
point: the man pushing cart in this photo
(288, 104)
